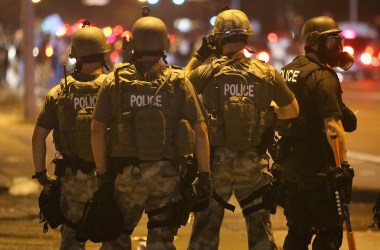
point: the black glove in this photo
(43, 178)
(204, 51)
(343, 179)
(202, 186)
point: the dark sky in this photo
(273, 14)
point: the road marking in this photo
(363, 156)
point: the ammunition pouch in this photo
(102, 220)
(75, 163)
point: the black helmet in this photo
(88, 41)
(149, 34)
(315, 27)
(231, 22)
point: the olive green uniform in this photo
(242, 172)
(76, 174)
(146, 181)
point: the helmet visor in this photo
(334, 43)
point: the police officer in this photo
(155, 120)
(67, 112)
(237, 93)
(307, 143)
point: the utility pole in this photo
(27, 22)
(353, 11)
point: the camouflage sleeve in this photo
(283, 96)
(191, 107)
(48, 118)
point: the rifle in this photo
(341, 197)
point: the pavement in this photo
(19, 214)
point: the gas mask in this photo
(331, 51)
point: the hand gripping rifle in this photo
(341, 195)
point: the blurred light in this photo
(36, 51)
(36, 1)
(263, 56)
(349, 34)
(178, 2)
(183, 24)
(111, 38)
(12, 53)
(107, 31)
(366, 58)
(95, 2)
(272, 37)
(369, 50)
(247, 53)
(49, 51)
(61, 31)
(142, 1)
(117, 30)
(153, 1)
(69, 29)
(118, 45)
(212, 20)
(72, 61)
(114, 56)
(349, 50)
(171, 38)
(378, 55)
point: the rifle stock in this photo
(342, 203)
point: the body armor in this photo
(237, 101)
(148, 124)
(76, 103)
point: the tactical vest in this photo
(148, 123)
(237, 101)
(76, 104)
(295, 75)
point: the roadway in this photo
(19, 223)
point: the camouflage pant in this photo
(240, 173)
(149, 186)
(76, 190)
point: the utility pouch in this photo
(60, 167)
(83, 134)
(150, 131)
(239, 117)
(216, 131)
(66, 114)
(125, 129)
(184, 138)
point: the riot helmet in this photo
(149, 34)
(323, 31)
(231, 22)
(88, 41)
(316, 27)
